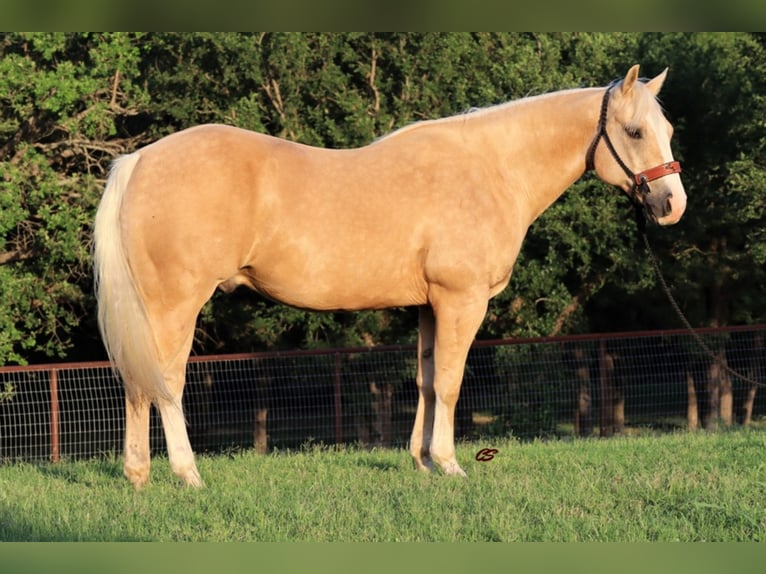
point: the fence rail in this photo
(590, 385)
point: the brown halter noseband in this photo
(640, 180)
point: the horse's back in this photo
(229, 206)
(311, 227)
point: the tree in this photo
(72, 102)
(718, 93)
(65, 110)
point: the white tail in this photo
(122, 319)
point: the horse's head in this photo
(637, 155)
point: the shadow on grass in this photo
(378, 464)
(83, 472)
(19, 529)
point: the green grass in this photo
(685, 486)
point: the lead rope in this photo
(641, 186)
(641, 224)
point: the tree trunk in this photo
(753, 372)
(692, 408)
(726, 405)
(747, 408)
(363, 432)
(606, 379)
(374, 427)
(261, 406)
(720, 395)
(618, 405)
(583, 415)
(382, 407)
(260, 436)
(714, 397)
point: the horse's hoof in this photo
(423, 464)
(453, 469)
(191, 478)
(137, 477)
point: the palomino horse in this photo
(432, 215)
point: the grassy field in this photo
(686, 486)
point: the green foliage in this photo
(70, 102)
(715, 94)
(59, 114)
(7, 392)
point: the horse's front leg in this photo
(458, 317)
(422, 431)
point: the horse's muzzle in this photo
(658, 207)
(664, 207)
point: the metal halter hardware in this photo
(640, 180)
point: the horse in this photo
(432, 215)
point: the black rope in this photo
(641, 222)
(639, 190)
(601, 133)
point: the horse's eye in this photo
(633, 132)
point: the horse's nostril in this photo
(668, 207)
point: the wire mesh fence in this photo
(596, 385)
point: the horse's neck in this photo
(541, 144)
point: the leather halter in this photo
(640, 180)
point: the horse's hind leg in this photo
(422, 431)
(137, 455)
(173, 329)
(137, 409)
(180, 452)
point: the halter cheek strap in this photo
(640, 180)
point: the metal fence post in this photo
(338, 402)
(54, 391)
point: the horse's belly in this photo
(346, 299)
(339, 287)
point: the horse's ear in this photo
(630, 79)
(655, 83)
